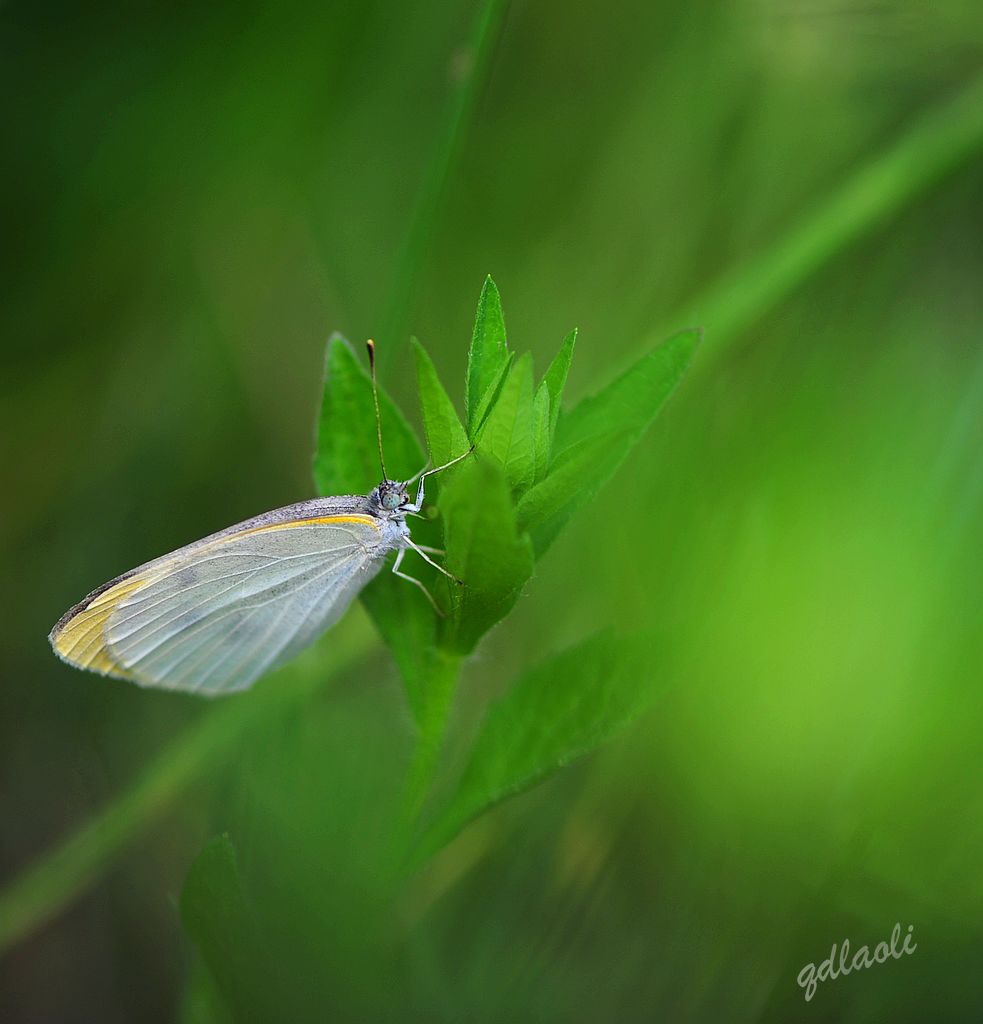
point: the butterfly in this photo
(215, 615)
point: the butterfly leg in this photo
(422, 552)
(415, 581)
(418, 504)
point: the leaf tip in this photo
(335, 338)
(688, 339)
(490, 295)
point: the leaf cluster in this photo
(535, 464)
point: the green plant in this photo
(534, 465)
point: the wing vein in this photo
(199, 654)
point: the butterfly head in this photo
(391, 495)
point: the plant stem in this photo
(471, 66)
(441, 688)
(940, 142)
(63, 873)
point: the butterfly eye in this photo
(392, 499)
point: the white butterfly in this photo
(214, 616)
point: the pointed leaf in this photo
(594, 439)
(488, 350)
(487, 403)
(558, 711)
(347, 456)
(630, 401)
(555, 378)
(542, 441)
(446, 437)
(508, 435)
(484, 549)
(573, 481)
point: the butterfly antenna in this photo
(370, 345)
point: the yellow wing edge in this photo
(313, 521)
(79, 636)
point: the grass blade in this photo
(943, 139)
(54, 880)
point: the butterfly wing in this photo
(214, 616)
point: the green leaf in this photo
(630, 402)
(558, 711)
(508, 436)
(484, 549)
(488, 351)
(594, 439)
(541, 431)
(446, 437)
(347, 456)
(216, 915)
(487, 403)
(555, 378)
(573, 481)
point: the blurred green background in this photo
(196, 195)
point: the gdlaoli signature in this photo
(810, 975)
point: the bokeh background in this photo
(196, 195)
